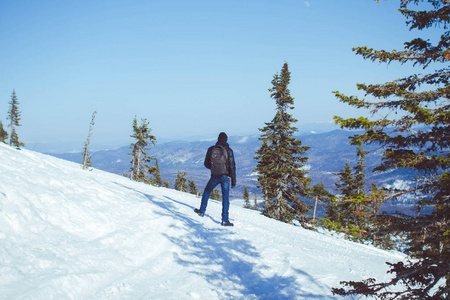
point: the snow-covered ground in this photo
(66, 233)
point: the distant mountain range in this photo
(328, 154)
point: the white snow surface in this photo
(67, 233)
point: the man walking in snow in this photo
(220, 160)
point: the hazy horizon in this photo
(98, 143)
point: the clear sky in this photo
(192, 68)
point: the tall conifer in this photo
(14, 116)
(281, 159)
(415, 136)
(141, 168)
(86, 157)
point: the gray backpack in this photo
(219, 159)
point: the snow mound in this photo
(66, 233)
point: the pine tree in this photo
(141, 168)
(3, 133)
(354, 212)
(360, 183)
(157, 174)
(181, 182)
(192, 187)
(281, 159)
(215, 194)
(14, 117)
(417, 138)
(87, 158)
(348, 202)
(255, 203)
(346, 184)
(246, 198)
(364, 211)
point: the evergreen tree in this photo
(246, 198)
(3, 133)
(87, 158)
(333, 217)
(157, 174)
(364, 211)
(215, 194)
(354, 212)
(349, 200)
(417, 138)
(281, 175)
(346, 184)
(360, 183)
(255, 203)
(193, 187)
(181, 182)
(141, 168)
(14, 117)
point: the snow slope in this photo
(66, 233)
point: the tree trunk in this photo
(315, 208)
(138, 163)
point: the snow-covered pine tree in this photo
(415, 136)
(14, 116)
(281, 172)
(141, 168)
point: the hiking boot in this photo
(199, 212)
(227, 223)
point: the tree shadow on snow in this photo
(231, 264)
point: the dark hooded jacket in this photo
(231, 165)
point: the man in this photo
(220, 160)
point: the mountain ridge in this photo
(328, 154)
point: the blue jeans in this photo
(224, 181)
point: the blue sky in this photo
(192, 68)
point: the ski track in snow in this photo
(67, 233)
